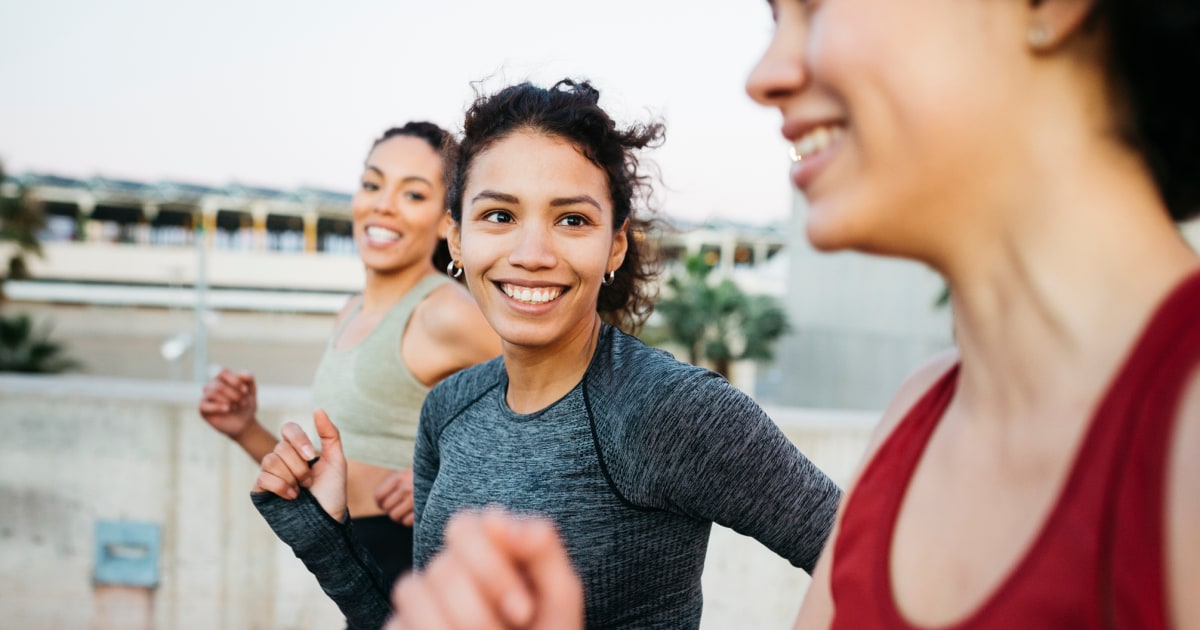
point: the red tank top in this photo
(1099, 559)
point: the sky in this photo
(290, 93)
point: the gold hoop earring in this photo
(1039, 36)
(453, 271)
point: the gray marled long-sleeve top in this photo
(633, 465)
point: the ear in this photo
(454, 239)
(1053, 22)
(620, 245)
(445, 225)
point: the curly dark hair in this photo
(569, 110)
(1154, 57)
(444, 143)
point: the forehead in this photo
(405, 155)
(535, 165)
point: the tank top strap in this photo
(395, 321)
(351, 313)
(1146, 399)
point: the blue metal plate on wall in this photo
(127, 553)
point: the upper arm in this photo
(715, 455)
(817, 609)
(1183, 512)
(449, 333)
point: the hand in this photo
(230, 402)
(395, 496)
(294, 464)
(495, 571)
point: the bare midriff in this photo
(361, 482)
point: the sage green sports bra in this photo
(368, 392)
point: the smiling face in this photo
(399, 209)
(896, 112)
(536, 238)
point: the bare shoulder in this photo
(450, 317)
(1183, 509)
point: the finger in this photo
(395, 498)
(401, 512)
(267, 482)
(386, 488)
(207, 407)
(251, 387)
(409, 518)
(295, 436)
(490, 560)
(276, 478)
(230, 379)
(534, 543)
(462, 594)
(415, 605)
(331, 438)
(220, 390)
(547, 565)
(296, 464)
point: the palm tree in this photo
(20, 222)
(719, 322)
(25, 349)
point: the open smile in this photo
(381, 236)
(531, 295)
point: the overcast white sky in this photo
(289, 93)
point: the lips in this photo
(531, 295)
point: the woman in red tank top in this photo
(1043, 474)
(1035, 153)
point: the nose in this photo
(781, 71)
(384, 201)
(533, 249)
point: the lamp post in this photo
(200, 338)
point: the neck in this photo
(1049, 298)
(383, 289)
(539, 376)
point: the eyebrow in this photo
(410, 178)
(556, 203)
(570, 201)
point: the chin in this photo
(828, 232)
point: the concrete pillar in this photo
(310, 231)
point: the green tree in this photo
(26, 349)
(719, 322)
(20, 222)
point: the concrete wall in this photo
(860, 325)
(81, 449)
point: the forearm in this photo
(255, 440)
(343, 568)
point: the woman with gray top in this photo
(630, 453)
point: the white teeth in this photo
(538, 295)
(377, 233)
(815, 141)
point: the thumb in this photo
(331, 438)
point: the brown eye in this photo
(498, 216)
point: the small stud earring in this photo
(1039, 35)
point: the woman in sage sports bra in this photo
(1043, 474)
(411, 327)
